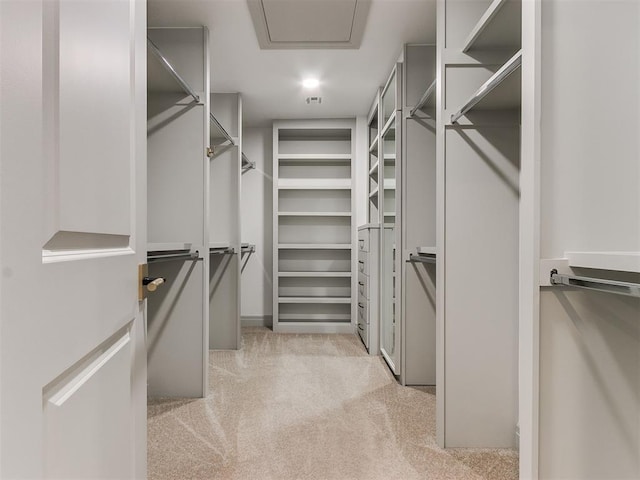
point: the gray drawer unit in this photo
(368, 307)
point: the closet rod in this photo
(185, 86)
(170, 257)
(507, 69)
(221, 251)
(217, 124)
(247, 248)
(599, 284)
(425, 96)
(422, 258)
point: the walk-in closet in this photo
(328, 239)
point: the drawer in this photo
(363, 265)
(363, 307)
(363, 285)
(363, 240)
(363, 331)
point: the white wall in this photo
(256, 212)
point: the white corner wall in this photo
(256, 208)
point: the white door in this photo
(73, 133)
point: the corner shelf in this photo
(501, 92)
(496, 28)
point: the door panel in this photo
(73, 136)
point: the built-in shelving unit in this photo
(313, 226)
(177, 226)
(478, 203)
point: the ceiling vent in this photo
(294, 24)
(314, 100)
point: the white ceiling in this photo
(270, 80)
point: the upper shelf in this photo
(314, 183)
(498, 28)
(615, 261)
(490, 97)
(315, 157)
(427, 100)
(162, 75)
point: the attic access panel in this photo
(294, 24)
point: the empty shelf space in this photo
(501, 92)
(614, 261)
(498, 28)
(162, 75)
(314, 157)
(428, 99)
(167, 247)
(314, 214)
(327, 317)
(314, 184)
(314, 299)
(374, 145)
(314, 246)
(314, 274)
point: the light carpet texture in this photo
(315, 407)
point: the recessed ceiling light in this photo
(310, 82)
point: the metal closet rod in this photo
(425, 96)
(221, 251)
(422, 258)
(172, 256)
(599, 284)
(219, 126)
(507, 69)
(246, 163)
(163, 60)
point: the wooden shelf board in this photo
(314, 184)
(314, 246)
(314, 214)
(314, 300)
(311, 274)
(616, 261)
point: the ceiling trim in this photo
(256, 8)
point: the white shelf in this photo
(497, 28)
(314, 246)
(311, 274)
(615, 261)
(389, 157)
(314, 184)
(314, 214)
(501, 92)
(316, 316)
(426, 250)
(374, 169)
(389, 183)
(167, 247)
(314, 299)
(316, 157)
(390, 214)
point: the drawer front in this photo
(363, 264)
(363, 240)
(363, 331)
(363, 285)
(363, 310)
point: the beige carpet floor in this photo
(315, 407)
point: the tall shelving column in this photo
(313, 230)
(478, 169)
(418, 223)
(177, 224)
(224, 221)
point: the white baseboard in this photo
(256, 320)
